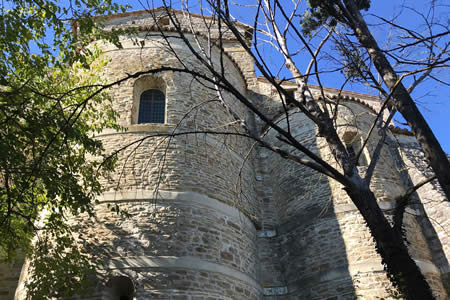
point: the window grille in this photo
(152, 107)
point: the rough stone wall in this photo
(312, 252)
(193, 212)
(9, 278)
(323, 245)
(191, 198)
(165, 247)
(210, 217)
(434, 209)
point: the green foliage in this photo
(328, 12)
(332, 13)
(62, 267)
(51, 105)
(354, 60)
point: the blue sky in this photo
(432, 97)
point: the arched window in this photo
(119, 288)
(152, 106)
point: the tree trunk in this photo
(403, 101)
(400, 267)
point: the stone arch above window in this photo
(149, 101)
(119, 288)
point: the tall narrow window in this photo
(354, 148)
(351, 151)
(152, 107)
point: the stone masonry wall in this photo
(167, 244)
(323, 245)
(434, 209)
(210, 216)
(9, 278)
(191, 197)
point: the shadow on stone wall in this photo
(309, 253)
(172, 249)
(430, 203)
(311, 246)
